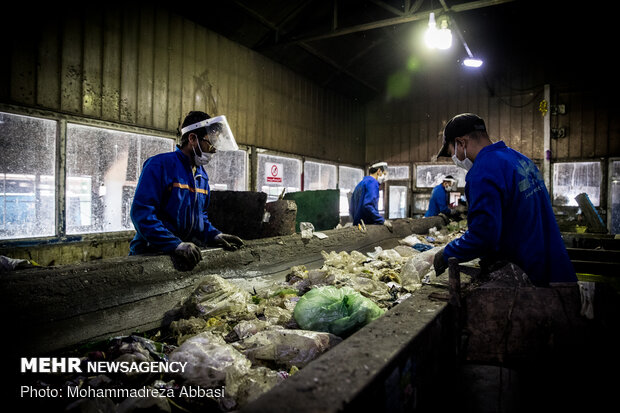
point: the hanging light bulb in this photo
(472, 62)
(431, 32)
(437, 38)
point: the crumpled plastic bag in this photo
(284, 347)
(215, 296)
(211, 362)
(257, 381)
(418, 269)
(340, 311)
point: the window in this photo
(431, 175)
(573, 178)
(27, 176)
(398, 173)
(277, 174)
(614, 196)
(228, 171)
(398, 201)
(348, 178)
(319, 176)
(398, 185)
(420, 203)
(103, 167)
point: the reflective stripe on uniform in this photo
(185, 186)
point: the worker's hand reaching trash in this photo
(228, 242)
(189, 252)
(439, 263)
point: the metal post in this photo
(547, 140)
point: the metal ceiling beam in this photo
(393, 21)
(306, 46)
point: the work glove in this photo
(438, 263)
(189, 252)
(388, 225)
(228, 242)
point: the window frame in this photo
(60, 178)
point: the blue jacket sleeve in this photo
(484, 221)
(147, 201)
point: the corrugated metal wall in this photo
(408, 129)
(146, 67)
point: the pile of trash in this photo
(246, 343)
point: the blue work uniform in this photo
(510, 217)
(364, 202)
(170, 205)
(438, 202)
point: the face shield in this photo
(384, 168)
(451, 184)
(218, 133)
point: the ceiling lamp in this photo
(472, 62)
(438, 38)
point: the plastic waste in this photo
(306, 229)
(210, 362)
(286, 348)
(215, 296)
(340, 311)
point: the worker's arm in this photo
(146, 205)
(371, 195)
(484, 221)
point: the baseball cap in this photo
(460, 125)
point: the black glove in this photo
(228, 242)
(189, 252)
(439, 264)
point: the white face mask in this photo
(465, 164)
(382, 178)
(203, 159)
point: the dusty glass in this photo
(398, 202)
(278, 175)
(429, 176)
(319, 175)
(227, 171)
(103, 167)
(27, 176)
(573, 178)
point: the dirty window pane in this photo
(398, 173)
(319, 176)
(615, 197)
(277, 174)
(573, 178)
(348, 178)
(429, 176)
(27, 176)
(398, 202)
(420, 203)
(228, 171)
(103, 167)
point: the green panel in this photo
(321, 208)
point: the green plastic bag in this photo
(340, 311)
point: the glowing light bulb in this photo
(437, 38)
(471, 62)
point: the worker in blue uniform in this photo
(169, 209)
(509, 217)
(440, 198)
(364, 202)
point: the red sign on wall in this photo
(273, 173)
